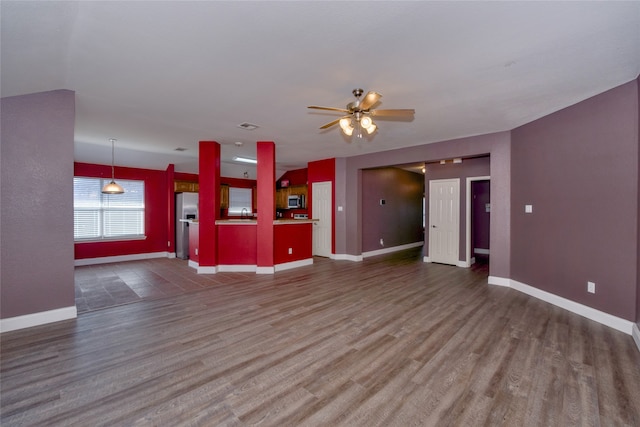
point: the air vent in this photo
(248, 126)
(180, 149)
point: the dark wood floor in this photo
(390, 341)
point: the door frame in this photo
(468, 261)
(428, 225)
(330, 219)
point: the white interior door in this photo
(444, 220)
(321, 210)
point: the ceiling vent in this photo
(248, 126)
(180, 149)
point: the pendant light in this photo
(112, 187)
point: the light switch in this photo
(528, 208)
(339, 208)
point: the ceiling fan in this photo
(359, 113)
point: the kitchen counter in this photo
(254, 222)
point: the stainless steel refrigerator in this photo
(186, 208)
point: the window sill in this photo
(111, 239)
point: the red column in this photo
(266, 205)
(208, 205)
(171, 211)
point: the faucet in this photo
(244, 213)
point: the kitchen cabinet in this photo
(281, 198)
(185, 187)
(224, 196)
(298, 190)
(282, 195)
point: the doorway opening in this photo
(478, 220)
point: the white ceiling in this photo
(162, 75)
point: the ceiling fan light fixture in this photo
(371, 129)
(345, 123)
(366, 122)
(348, 131)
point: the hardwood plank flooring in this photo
(390, 341)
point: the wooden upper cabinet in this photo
(224, 196)
(298, 190)
(185, 187)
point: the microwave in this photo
(296, 202)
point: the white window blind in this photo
(239, 199)
(107, 216)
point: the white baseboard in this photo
(392, 249)
(36, 319)
(635, 332)
(171, 255)
(426, 259)
(606, 319)
(481, 251)
(193, 264)
(463, 264)
(207, 270)
(293, 264)
(120, 258)
(499, 281)
(237, 268)
(347, 257)
(265, 270)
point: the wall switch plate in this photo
(382, 202)
(381, 242)
(290, 251)
(339, 208)
(528, 208)
(591, 287)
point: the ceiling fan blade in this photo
(342, 110)
(331, 123)
(394, 112)
(369, 100)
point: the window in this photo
(98, 216)
(239, 199)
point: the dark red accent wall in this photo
(296, 237)
(156, 213)
(323, 171)
(295, 177)
(399, 220)
(578, 168)
(237, 244)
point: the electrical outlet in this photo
(591, 287)
(290, 251)
(381, 242)
(168, 243)
(196, 251)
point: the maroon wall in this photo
(480, 218)
(578, 168)
(474, 167)
(497, 145)
(638, 237)
(37, 203)
(399, 220)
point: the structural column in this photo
(208, 205)
(266, 206)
